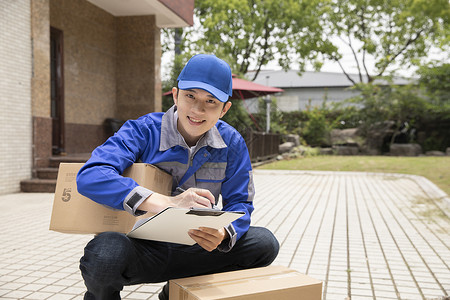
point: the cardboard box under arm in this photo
(74, 213)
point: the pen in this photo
(181, 190)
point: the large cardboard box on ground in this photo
(268, 283)
(74, 213)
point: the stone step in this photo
(46, 177)
(54, 161)
(36, 185)
(47, 173)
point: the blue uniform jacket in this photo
(220, 163)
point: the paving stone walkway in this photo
(366, 236)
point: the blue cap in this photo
(209, 73)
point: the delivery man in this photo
(207, 158)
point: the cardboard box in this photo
(268, 283)
(74, 213)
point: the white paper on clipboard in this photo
(172, 224)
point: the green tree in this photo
(250, 33)
(409, 111)
(402, 104)
(393, 33)
(435, 79)
(177, 41)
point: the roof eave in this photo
(169, 13)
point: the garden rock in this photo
(346, 150)
(379, 135)
(345, 136)
(405, 149)
(286, 147)
(326, 151)
(293, 138)
(434, 153)
(447, 151)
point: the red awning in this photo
(244, 89)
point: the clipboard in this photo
(172, 224)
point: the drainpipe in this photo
(268, 102)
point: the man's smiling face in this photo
(198, 111)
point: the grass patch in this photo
(436, 169)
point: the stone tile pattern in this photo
(15, 95)
(367, 236)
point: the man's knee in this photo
(105, 256)
(270, 245)
(266, 243)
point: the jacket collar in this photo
(170, 136)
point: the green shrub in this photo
(316, 130)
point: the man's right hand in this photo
(193, 197)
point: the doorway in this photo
(57, 90)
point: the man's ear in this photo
(226, 107)
(175, 95)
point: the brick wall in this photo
(15, 95)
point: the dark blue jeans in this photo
(112, 260)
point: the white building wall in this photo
(15, 94)
(287, 103)
(300, 98)
(315, 97)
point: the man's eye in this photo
(212, 101)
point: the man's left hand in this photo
(208, 238)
